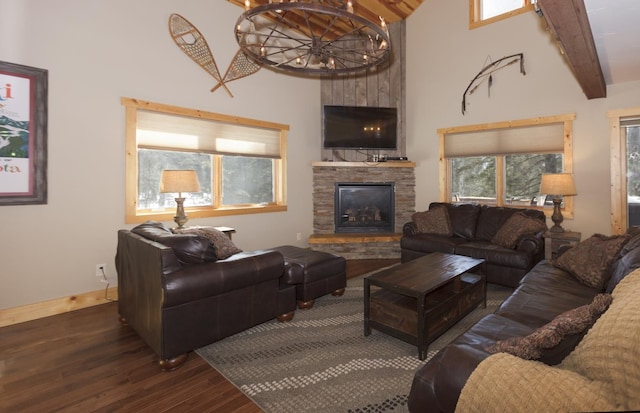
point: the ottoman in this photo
(314, 273)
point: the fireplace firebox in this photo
(364, 207)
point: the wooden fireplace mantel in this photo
(388, 164)
(348, 238)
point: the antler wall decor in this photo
(487, 74)
(194, 45)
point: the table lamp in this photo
(179, 181)
(557, 185)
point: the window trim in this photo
(132, 215)
(445, 163)
(475, 9)
(618, 159)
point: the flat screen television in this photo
(359, 127)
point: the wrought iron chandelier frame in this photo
(312, 37)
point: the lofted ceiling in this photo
(391, 10)
(599, 38)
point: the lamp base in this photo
(557, 217)
(181, 217)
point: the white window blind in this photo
(629, 122)
(172, 132)
(513, 140)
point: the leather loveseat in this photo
(176, 294)
(534, 309)
(475, 231)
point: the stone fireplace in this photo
(360, 243)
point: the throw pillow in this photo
(434, 221)
(517, 226)
(590, 261)
(222, 245)
(189, 248)
(573, 321)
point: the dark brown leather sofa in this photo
(175, 294)
(474, 226)
(545, 292)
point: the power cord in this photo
(106, 289)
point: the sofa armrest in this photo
(505, 383)
(531, 244)
(409, 229)
(196, 282)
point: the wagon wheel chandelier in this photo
(312, 36)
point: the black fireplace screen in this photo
(364, 207)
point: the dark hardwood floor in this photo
(85, 361)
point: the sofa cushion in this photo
(623, 266)
(574, 321)
(428, 243)
(434, 221)
(490, 219)
(495, 254)
(464, 218)
(189, 248)
(590, 261)
(222, 244)
(516, 227)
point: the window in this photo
(482, 12)
(625, 169)
(502, 163)
(240, 162)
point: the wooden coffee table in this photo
(419, 300)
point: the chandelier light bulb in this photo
(247, 4)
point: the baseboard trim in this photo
(57, 306)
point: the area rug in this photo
(322, 362)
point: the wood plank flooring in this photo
(85, 361)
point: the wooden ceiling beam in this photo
(569, 23)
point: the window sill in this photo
(205, 213)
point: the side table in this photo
(554, 240)
(227, 230)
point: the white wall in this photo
(444, 56)
(97, 51)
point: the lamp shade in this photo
(557, 184)
(181, 180)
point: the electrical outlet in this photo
(298, 236)
(101, 270)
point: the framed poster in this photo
(23, 134)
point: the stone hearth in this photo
(366, 245)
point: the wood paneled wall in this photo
(383, 86)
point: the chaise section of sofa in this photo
(601, 374)
(474, 230)
(546, 292)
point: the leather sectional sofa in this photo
(547, 291)
(473, 230)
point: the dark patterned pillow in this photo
(517, 226)
(574, 321)
(434, 221)
(590, 261)
(222, 245)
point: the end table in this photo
(554, 240)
